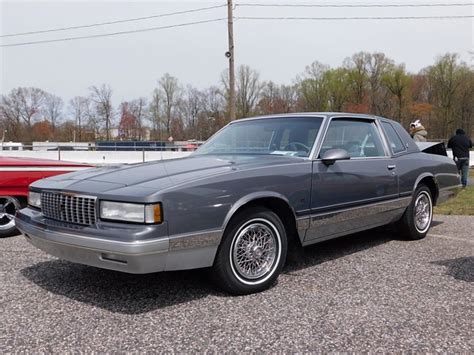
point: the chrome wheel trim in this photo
(423, 212)
(245, 249)
(8, 207)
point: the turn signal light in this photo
(153, 213)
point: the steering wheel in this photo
(296, 146)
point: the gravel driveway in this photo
(366, 292)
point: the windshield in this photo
(291, 136)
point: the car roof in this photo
(312, 114)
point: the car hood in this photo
(142, 179)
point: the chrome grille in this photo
(69, 208)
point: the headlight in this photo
(34, 199)
(131, 212)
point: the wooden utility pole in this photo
(230, 55)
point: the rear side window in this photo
(395, 142)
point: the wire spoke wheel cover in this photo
(422, 212)
(8, 207)
(255, 251)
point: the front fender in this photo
(250, 198)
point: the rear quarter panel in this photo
(413, 167)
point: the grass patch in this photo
(463, 204)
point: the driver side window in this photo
(360, 138)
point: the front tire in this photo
(8, 207)
(252, 253)
(416, 220)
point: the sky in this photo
(279, 50)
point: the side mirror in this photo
(330, 156)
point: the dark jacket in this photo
(460, 145)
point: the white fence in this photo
(97, 157)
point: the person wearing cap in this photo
(417, 131)
(460, 144)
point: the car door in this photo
(355, 194)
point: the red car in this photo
(15, 176)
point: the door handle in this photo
(391, 167)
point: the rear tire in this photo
(252, 252)
(416, 221)
(9, 205)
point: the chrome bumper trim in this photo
(114, 246)
(136, 256)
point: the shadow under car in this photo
(141, 293)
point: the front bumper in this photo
(128, 248)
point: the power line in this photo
(357, 18)
(107, 23)
(355, 5)
(134, 19)
(113, 22)
(236, 18)
(114, 33)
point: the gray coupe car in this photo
(236, 204)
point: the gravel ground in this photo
(366, 292)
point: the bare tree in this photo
(66, 131)
(154, 110)
(440, 95)
(53, 106)
(289, 98)
(79, 106)
(313, 87)
(102, 98)
(269, 96)
(128, 123)
(138, 108)
(10, 111)
(377, 65)
(464, 100)
(277, 98)
(338, 88)
(446, 77)
(398, 83)
(171, 92)
(248, 89)
(213, 101)
(21, 106)
(357, 76)
(32, 100)
(191, 107)
(94, 124)
(212, 116)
